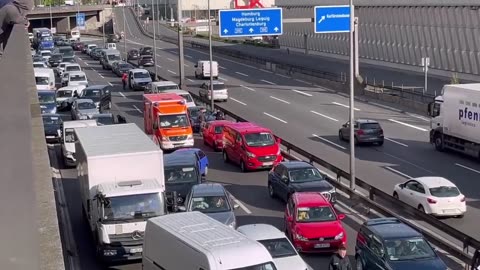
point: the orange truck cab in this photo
(166, 119)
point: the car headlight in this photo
(250, 155)
(232, 225)
(189, 137)
(279, 151)
(69, 154)
(54, 110)
(339, 236)
(300, 237)
(97, 104)
(165, 139)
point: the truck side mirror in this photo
(155, 124)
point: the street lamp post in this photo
(154, 41)
(124, 32)
(352, 92)
(212, 101)
(181, 64)
(103, 27)
(51, 19)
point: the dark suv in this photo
(145, 51)
(388, 243)
(365, 130)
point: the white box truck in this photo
(198, 242)
(202, 70)
(455, 122)
(69, 139)
(122, 184)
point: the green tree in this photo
(454, 79)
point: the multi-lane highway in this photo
(249, 189)
(310, 116)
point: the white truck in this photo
(122, 184)
(455, 122)
(202, 70)
(69, 139)
(196, 241)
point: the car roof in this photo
(139, 70)
(177, 91)
(365, 121)
(72, 64)
(310, 199)
(260, 231)
(187, 150)
(84, 100)
(215, 82)
(46, 92)
(176, 159)
(219, 122)
(102, 115)
(246, 127)
(390, 228)
(434, 181)
(51, 115)
(96, 87)
(296, 164)
(71, 73)
(43, 63)
(208, 189)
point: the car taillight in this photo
(381, 131)
(360, 132)
(462, 199)
(431, 201)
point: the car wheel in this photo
(271, 192)
(421, 209)
(439, 143)
(130, 84)
(225, 157)
(359, 264)
(242, 166)
(356, 140)
(380, 143)
(340, 136)
(395, 195)
(206, 171)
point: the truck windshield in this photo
(167, 87)
(114, 57)
(70, 135)
(173, 121)
(263, 266)
(178, 174)
(133, 207)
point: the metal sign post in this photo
(425, 65)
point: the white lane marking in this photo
(238, 101)
(190, 80)
(385, 106)
(101, 75)
(268, 82)
(186, 65)
(243, 74)
(281, 100)
(468, 168)
(346, 106)
(188, 56)
(174, 52)
(159, 66)
(136, 108)
(284, 76)
(328, 141)
(343, 208)
(323, 115)
(418, 116)
(399, 143)
(222, 67)
(267, 71)
(171, 71)
(248, 88)
(244, 208)
(302, 93)
(80, 59)
(399, 172)
(109, 83)
(86, 64)
(223, 79)
(302, 81)
(276, 118)
(121, 94)
(170, 59)
(407, 125)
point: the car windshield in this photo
(167, 87)
(370, 126)
(259, 139)
(408, 249)
(38, 65)
(219, 86)
(66, 51)
(263, 266)
(180, 174)
(147, 58)
(91, 47)
(46, 97)
(124, 66)
(56, 57)
(141, 75)
(69, 59)
(279, 248)
(78, 78)
(41, 80)
(194, 112)
(46, 53)
(305, 175)
(90, 93)
(315, 214)
(86, 105)
(173, 121)
(114, 57)
(187, 97)
(72, 68)
(70, 135)
(104, 120)
(444, 191)
(64, 93)
(51, 120)
(210, 204)
(218, 129)
(139, 206)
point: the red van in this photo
(251, 146)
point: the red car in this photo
(312, 224)
(213, 133)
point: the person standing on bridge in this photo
(124, 80)
(339, 260)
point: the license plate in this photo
(267, 163)
(323, 245)
(447, 211)
(136, 250)
(50, 137)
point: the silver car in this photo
(83, 109)
(220, 91)
(365, 131)
(213, 200)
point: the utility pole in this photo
(181, 64)
(103, 27)
(51, 19)
(154, 42)
(352, 93)
(165, 9)
(425, 65)
(124, 33)
(211, 57)
(158, 14)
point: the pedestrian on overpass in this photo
(339, 260)
(124, 80)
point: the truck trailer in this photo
(455, 123)
(121, 177)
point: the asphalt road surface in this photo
(310, 116)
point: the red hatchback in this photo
(213, 133)
(312, 224)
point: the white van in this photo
(160, 87)
(111, 46)
(69, 140)
(186, 95)
(203, 243)
(75, 34)
(77, 78)
(44, 78)
(202, 69)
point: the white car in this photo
(281, 249)
(433, 195)
(188, 98)
(39, 65)
(77, 78)
(45, 54)
(220, 91)
(61, 68)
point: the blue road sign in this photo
(332, 19)
(81, 21)
(250, 22)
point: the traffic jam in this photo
(133, 211)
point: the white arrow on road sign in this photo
(322, 19)
(251, 30)
(275, 29)
(225, 31)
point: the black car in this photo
(37, 58)
(55, 59)
(100, 95)
(95, 54)
(289, 177)
(69, 59)
(112, 38)
(145, 51)
(132, 55)
(104, 119)
(181, 173)
(52, 125)
(146, 61)
(193, 113)
(121, 67)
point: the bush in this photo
(454, 79)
